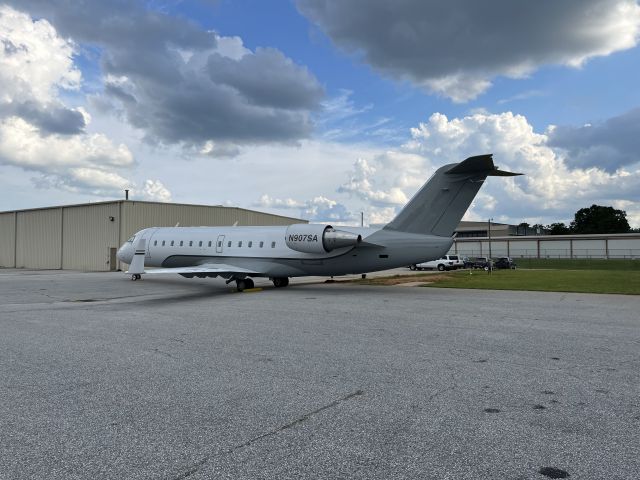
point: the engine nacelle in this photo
(314, 238)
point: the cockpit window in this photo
(131, 239)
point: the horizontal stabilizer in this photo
(481, 164)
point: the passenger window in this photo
(240, 243)
(163, 243)
(181, 242)
(250, 243)
(273, 244)
(191, 243)
(261, 244)
(229, 244)
(219, 244)
(155, 243)
(210, 243)
(200, 244)
(172, 243)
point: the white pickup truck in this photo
(448, 262)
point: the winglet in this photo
(137, 264)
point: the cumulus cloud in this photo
(34, 60)
(380, 182)
(40, 134)
(456, 49)
(362, 183)
(611, 144)
(180, 84)
(318, 209)
(35, 63)
(552, 188)
(80, 163)
(155, 191)
(287, 203)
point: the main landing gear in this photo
(280, 281)
(247, 283)
(244, 284)
(136, 276)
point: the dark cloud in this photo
(50, 118)
(168, 78)
(456, 47)
(267, 78)
(609, 145)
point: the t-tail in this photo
(439, 205)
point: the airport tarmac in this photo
(174, 378)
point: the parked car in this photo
(505, 262)
(457, 261)
(480, 262)
(448, 262)
(467, 262)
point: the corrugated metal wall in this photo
(7, 239)
(39, 239)
(89, 232)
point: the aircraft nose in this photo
(125, 253)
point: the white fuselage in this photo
(264, 249)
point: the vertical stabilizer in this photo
(439, 205)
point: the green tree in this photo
(599, 219)
(538, 228)
(523, 229)
(558, 228)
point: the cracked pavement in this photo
(182, 379)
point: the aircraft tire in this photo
(280, 282)
(241, 285)
(248, 283)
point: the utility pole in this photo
(490, 239)
(364, 275)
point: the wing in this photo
(215, 268)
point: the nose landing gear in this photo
(136, 276)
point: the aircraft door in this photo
(149, 234)
(220, 244)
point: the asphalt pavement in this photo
(174, 378)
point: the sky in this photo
(318, 109)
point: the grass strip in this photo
(584, 281)
(579, 263)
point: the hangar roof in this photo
(107, 202)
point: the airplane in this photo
(421, 231)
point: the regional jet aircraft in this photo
(422, 231)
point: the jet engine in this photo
(314, 238)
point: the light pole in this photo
(490, 220)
